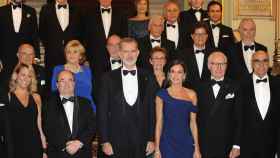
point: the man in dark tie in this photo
(126, 109)
(113, 49)
(220, 36)
(59, 23)
(153, 39)
(68, 121)
(240, 54)
(196, 56)
(219, 114)
(260, 110)
(18, 23)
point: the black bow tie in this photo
(213, 82)
(216, 25)
(171, 25)
(64, 100)
(263, 80)
(251, 47)
(108, 10)
(62, 6)
(132, 72)
(200, 51)
(197, 10)
(15, 6)
(116, 61)
(154, 40)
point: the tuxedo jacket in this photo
(219, 119)
(10, 40)
(226, 38)
(53, 37)
(57, 130)
(145, 47)
(111, 111)
(237, 66)
(41, 79)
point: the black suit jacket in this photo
(145, 46)
(237, 67)
(226, 38)
(41, 80)
(260, 135)
(10, 40)
(53, 37)
(57, 130)
(111, 111)
(219, 120)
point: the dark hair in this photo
(210, 4)
(177, 62)
(148, 7)
(128, 40)
(158, 49)
(200, 25)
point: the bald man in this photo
(219, 114)
(261, 110)
(113, 49)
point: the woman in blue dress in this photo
(176, 134)
(75, 57)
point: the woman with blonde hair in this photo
(24, 114)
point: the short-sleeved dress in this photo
(176, 138)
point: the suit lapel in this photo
(63, 118)
(75, 118)
(253, 99)
(141, 84)
(194, 63)
(100, 23)
(56, 21)
(220, 96)
(71, 13)
(10, 17)
(24, 18)
(241, 57)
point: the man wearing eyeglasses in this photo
(260, 110)
(219, 115)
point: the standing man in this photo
(240, 54)
(59, 23)
(220, 36)
(126, 109)
(219, 114)
(18, 24)
(113, 48)
(68, 121)
(261, 110)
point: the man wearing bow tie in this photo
(113, 49)
(153, 39)
(261, 110)
(219, 114)
(68, 121)
(240, 54)
(220, 36)
(196, 56)
(18, 23)
(59, 23)
(126, 109)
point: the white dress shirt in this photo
(69, 110)
(130, 87)
(216, 87)
(155, 44)
(115, 65)
(262, 94)
(106, 19)
(199, 59)
(17, 17)
(173, 33)
(197, 14)
(216, 34)
(62, 16)
(248, 57)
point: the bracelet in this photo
(157, 152)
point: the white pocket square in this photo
(229, 96)
(225, 36)
(2, 104)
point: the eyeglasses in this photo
(219, 64)
(258, 62)
(200, 34)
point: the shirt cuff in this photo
(236, 146)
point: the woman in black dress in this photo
(24, 114)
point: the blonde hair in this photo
(76, 46)
(32, 88)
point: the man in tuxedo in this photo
(113, 49)
(193, 16)
(4, 133)
(18, 23)
(68, 121)
(126, 109)
(153, 39)
(240, 54)
(26, 55)
(173, 28)
(220, 36)
(196, 56)
(260, 109)
(219, 114)
(59, 23)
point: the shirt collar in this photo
(221, 79)
(152, 37)
(255, 77)
(195, 48)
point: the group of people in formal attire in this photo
(176, 85)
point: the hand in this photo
(1, 66)
(73, 146)
(45, 155)
(150, 148)
(234, 153)
(107, 149)
(157, 154)
(196, 154)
